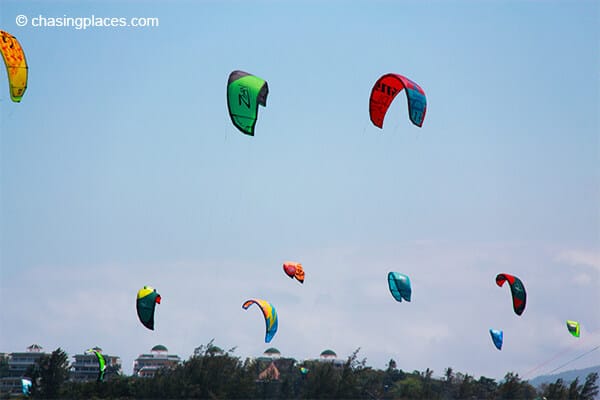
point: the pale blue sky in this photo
(121, 168)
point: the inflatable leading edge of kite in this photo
(270, 316)
(519, 296)
(147, 299)
(16, 65)
(385, 90)
(244, 93)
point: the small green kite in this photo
(244, 93)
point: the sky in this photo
(121, 168)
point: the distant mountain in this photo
(567, 376)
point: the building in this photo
(330, 356)
(18, 364)
(86, 367)
(271, 364)
(146, 365)
(269, 354)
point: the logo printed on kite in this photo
(389, 90)
(244, 96)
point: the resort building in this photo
(18, 363)
(330, 356)
(86, 367)
(146, 365)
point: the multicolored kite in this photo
(519, 296)
(294, 270)
(385, 90)
(101, 363)
(399, 285)
(497, 338)
(573, 327)
(269, 313)
(244, 93)
(16, 65)
(147, 299)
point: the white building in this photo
(18, 363)
(86, 368)
(146, 365)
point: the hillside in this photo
(567, 376)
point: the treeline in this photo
(216, 374)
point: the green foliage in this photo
(590, 390)
(559, 391)
(49, 374)
(213, 373)
(3, 366)
(514, 388)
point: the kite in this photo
(294, 270)
(573, 327)
(269, 313)
(244, 93)
(497, 338)
(399, 286)
(385, 90)
(26, 385)
(147, 298)
(519, 296)
(16, 65)
(101, 364)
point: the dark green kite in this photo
(147, 299)
(244, 93)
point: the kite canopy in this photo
(269, 313)
(519, 296)
(244, 93)
(385, 90)
(497, 338)
(294, 270)
(399, 285)
(101, 364)
(573, 327)
(147, 298)
(16, 65)
(26, 385)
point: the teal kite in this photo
(399, 285)
(244, 93)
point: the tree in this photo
(3, 366)
(485, 388)
(574, 387)
(556, 390)
(590, 388)
(49, 373)
(514, 388)
(466, 386)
